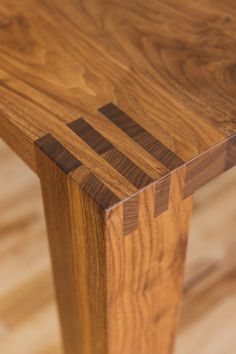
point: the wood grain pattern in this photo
(131, 215)
(159, 65)
(117, 159)
(154, 84)
(208, 311)
(205, 168)
(103, 196)
(82, 198)
(58, 153)
(108, 285)
(141, 136)
(145, 274)
(162, 188)
(94, 139)
(77, 244)
(197, 172)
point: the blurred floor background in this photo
(28, 317)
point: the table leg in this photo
(116, 293)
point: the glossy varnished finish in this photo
(123, 109)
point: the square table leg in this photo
(116, 293)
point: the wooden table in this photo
(123, 109)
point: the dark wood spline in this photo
(127, 168)
(162, 189)
(93, 138)
(92, 186)
(141, 136)
(58, 153)
(198, 171)
(102, 195)
(131, 215)
(114, 157)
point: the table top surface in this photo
(127, 91)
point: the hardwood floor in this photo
(28, 322)
(28, 317)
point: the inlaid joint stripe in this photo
(131, 215)
(99, 192)
(197, 172)
(114, 157)
(162, 190)
(122, 164)
(58, 153)
(91, 184)
(141, 136)
(93, 138)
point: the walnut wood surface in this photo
(131, 179)
(116, 294)
(78, 248)
(145, 278)
(208, 312)
(123, 109)
(132, 90)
